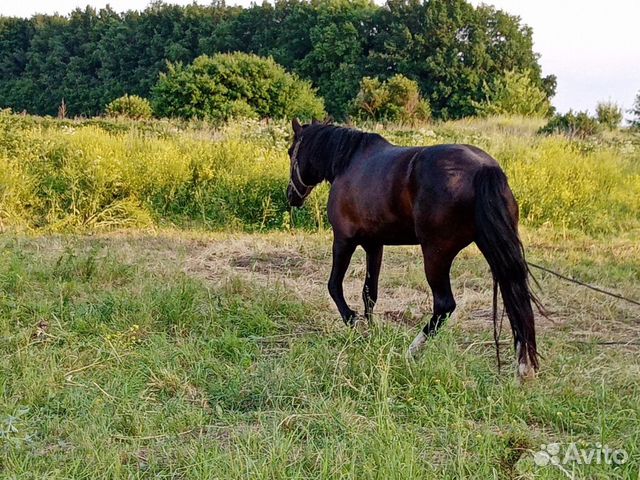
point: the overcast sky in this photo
(592, 47)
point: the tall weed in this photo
(94, 175)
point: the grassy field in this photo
(137, 343)
(176, 355)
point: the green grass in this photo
(184, 355)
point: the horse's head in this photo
(302, 178)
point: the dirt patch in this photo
(302, 264)
(219, 259)
(274, 262)
(405, 318)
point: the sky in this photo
(591, 46)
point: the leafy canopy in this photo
(449, 47)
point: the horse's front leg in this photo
(370, 290)
(342, 252)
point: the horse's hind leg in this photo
(342, 252)
(437, 265)
(370, 289)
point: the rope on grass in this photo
(578, 282)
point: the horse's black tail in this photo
(498, 240)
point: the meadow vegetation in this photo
(74, 176)
(163, 314)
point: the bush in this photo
(635, 112)
(609, 115)
(236, 85)
(130, 106)
(514, 94)
(574, 125)
(396, 100)
(371, 99)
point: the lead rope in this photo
(578, 282)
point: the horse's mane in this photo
(334, 146)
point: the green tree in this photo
(336, 62)
(15, 40)
(45, 69)
(234, 85)
(91, 57)
(609, 115)
(371, 99)
(451, 49)
(514, 94)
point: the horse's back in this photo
(404, 194)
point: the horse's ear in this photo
(297, 128)
(328, 120)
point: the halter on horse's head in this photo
(298, 190)
(296, 184)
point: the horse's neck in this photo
(324, 164)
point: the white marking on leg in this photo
(416, 346)
(525, 369)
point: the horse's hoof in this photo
(351, 320)
(526, 373)
(361, 326)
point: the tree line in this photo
(454, 51)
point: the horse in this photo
(441, 197)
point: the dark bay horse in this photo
(442, 197)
